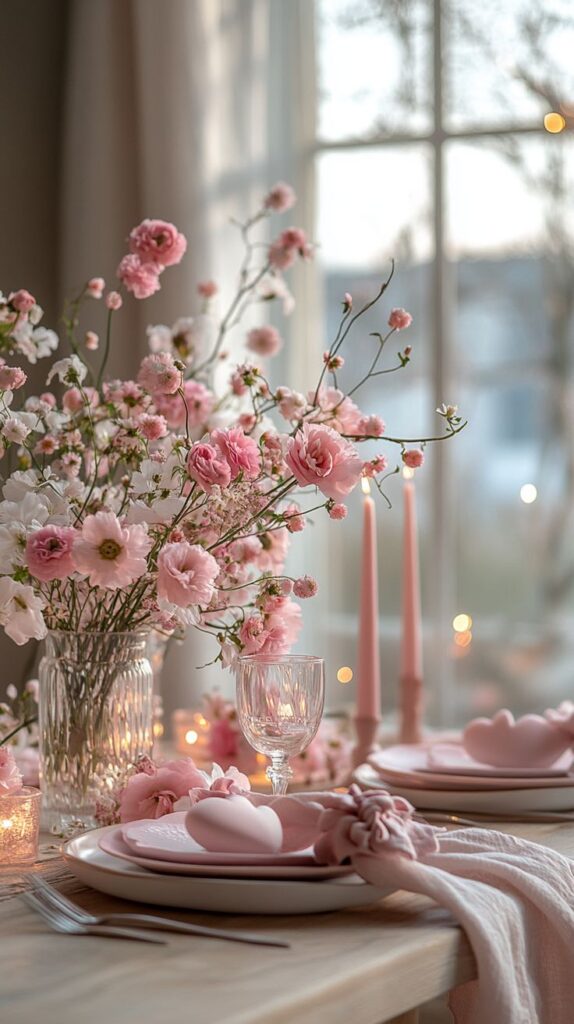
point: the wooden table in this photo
(364, 966)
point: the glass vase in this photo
(95, 715)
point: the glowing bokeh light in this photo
(345, 674)
(408, 473)
(461, 622)
(191, 737)
(528, 493)
(463, 639)
(554, 122)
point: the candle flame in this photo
(365, 485)
(408, 473)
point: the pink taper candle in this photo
(411, 649)
(368, 666)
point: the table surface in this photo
(368, 966)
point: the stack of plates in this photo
(158, 862)
(442, 776)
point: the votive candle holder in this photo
(19, 826)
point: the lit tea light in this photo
(528, 493)
(191, 734)
(20, 826)
(345, 674)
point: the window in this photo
(431, 147)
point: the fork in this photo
(48, 894)
(60, 922)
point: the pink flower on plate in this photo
(318, 455)
(373, 822)
(265, 341)
(10, 775)
(240, 452)
(159, 375)
(111, 555)
(413, 458)
(399, 319)
(139, 277)
(22, 301)
(186, 574)
(151, 795)
(207, 467)
(280, 198)
(49, 553)
(198, 402)
(11, 378)
(158, 241)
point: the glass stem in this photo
(279, 773)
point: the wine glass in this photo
(280, 703)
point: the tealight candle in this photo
(191, 734)
(19, 826)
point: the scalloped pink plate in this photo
(167, 839)
(288, 866)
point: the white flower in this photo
(12, 546)
(19, 483)
(448, 411)
(69, 371)
(11, 691)
(15, 430)
(34, 342)
(273, 286)
(30, 512)
(159, 513)
(21, 611)
(155, 476)
(35, 314)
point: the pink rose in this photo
(413, 458)
(159, 375)
(239, 451)
(318, 455)
(158, 241)
(12, 377)
(186, 574)
(151, 795)
(139, 277)
(198, 402)
(280, 198)
(22, 301)
(49, 553)
(265, 341)
(207, 467)
(399, 319)
(282, 627)
(10, 775)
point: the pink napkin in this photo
(514, 899)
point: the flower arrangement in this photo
(19, 737)
(156, 502)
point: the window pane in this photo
(514, 465)
(374, 59)
(507, 62)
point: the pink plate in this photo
(167, 839)
(290, 866)
(408, 765)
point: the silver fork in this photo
(60, 922)
(56, 899)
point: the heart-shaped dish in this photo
(503, 741)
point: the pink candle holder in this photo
(19, 826)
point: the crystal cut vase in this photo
(95, 714)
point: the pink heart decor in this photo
(530, 741)
(234, 825)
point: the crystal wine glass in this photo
(280, 703)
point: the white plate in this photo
(408, 766)
(500, 800)
(97, 869)
(112, 842)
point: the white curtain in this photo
(185, 110)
